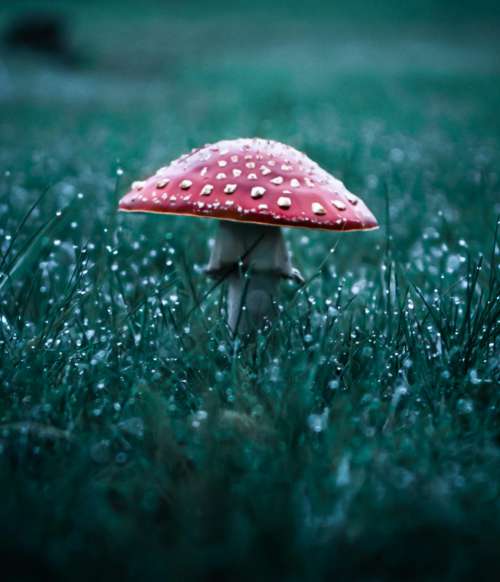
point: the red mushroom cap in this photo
(251, 180)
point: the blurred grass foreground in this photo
(358, 439)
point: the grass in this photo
(358, 438)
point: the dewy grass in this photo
(358, 437)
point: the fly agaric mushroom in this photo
(254, 186)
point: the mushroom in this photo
(254, 187)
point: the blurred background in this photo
(97, 85)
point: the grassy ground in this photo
(358, 439)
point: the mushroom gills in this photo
(255, 258)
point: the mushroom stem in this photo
(256, 258)
(250, 300)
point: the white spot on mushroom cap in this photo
(220, 176)
(318, 208)
(207, 190)
(284, 202)
(186, 184)
(162, 183)
(138, 185)
(230, 188)
(277, 180)
(257, 192)
(339, 205)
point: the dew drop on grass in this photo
(318, 422)
(465, 406)
(333, 311)
(453, 262)
(473, 377)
